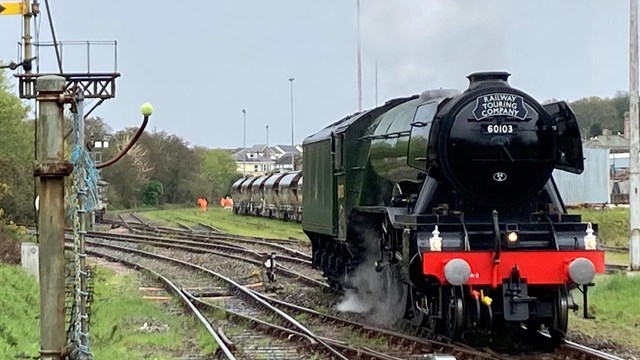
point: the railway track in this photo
(568, 350)
(291, 247)
(223, 250)
(139, 221)
(329, 346)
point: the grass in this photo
(613, 224)
(19, 313)
(227, 221)
(119, 312)
(614, 303)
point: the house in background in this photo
(260, 159)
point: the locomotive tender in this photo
(449, 196)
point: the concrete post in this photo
(51, 169)
(634, 142)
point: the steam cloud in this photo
(367, 283)
(431, 44)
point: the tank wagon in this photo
(448, 198)
(276, 195)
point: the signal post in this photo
(51, 169)
(53, 91)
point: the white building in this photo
(260, 159)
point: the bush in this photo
(11, 235)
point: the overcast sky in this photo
(201, 62)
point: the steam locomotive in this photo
(448, 198)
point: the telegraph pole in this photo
(634, 148)
(359, 59)
(51, 169)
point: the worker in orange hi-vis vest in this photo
(202, 204)
(226, 202)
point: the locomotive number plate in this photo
(498, 129)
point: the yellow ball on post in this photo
(146, 109)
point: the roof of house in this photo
(614, 141)
(289, 148)
(286, 159)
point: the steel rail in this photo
(246, 291)
(171, 287)
(593, 353)
(218, 245)
(418, 343)
(353, 352)
(279, 268)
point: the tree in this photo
(595, 129)
(219, 171)
(174, 165)
(607, 113)
(16, 155)
(129, 174)
(152, 192)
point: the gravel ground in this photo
(608, 346)
(253, 343)
(242, 272)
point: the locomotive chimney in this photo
(488, 78)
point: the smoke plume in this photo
(364, 295)
(432, 44)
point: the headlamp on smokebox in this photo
(512, 235)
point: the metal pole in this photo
(82, 215)
(27, 34)
(293, 144)
(359, 59)
(268, 149)
(244, 151)
(376, 83)
(634, 149)
(51, 169)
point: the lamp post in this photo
(293, 145)
(268, 148)
(244, 144)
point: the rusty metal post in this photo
(51, 169)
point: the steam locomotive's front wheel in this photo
(416, 308)
(454, 313)
(393, 293)
(561, 321)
